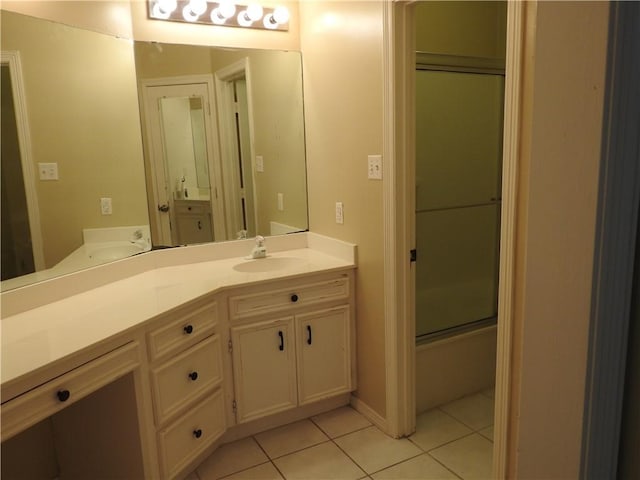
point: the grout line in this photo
(452, 441)
(242, 470)
(443, 465)
(463, 423)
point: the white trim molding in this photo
(12, 59)
(511, 149)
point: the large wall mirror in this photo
(111, 147)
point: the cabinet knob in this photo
(63, 395)
(188, 329)
(193, 376)
(197, 433)
(294, 298)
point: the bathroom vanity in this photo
(144, 374)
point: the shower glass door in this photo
(458, 165)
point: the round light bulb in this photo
(281, 15)
(198, 6)
(269, 22)
(164, 8)
(226, 9)
(254, 12)
(243, 19)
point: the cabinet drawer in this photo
(191, 207)
(189, 328)
(242, 306)
(190, 435)
(26, 410)
(182, 379)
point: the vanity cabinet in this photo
(186, 383)
(193, 221)
(291, 345)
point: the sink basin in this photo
(269, 264)
(115, 252)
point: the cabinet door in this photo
(324, 354)
(264, 368)
(194, 229)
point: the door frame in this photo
(215, 174)
(399, 223)
(12, 60)
(228, 142)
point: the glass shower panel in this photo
(458, 166)
(457, 267)
(459, 138)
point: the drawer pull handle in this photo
(197, 433)
(281, 335)
(193, 376)
(63, 395)
(188, 329)
(294, 298)
(199, 225)
(309, 340)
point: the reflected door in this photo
(458, 165)
(182, 160)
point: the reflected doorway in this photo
(185, 176)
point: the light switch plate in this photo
(280, 202)
(105, 206)
(259, 163)
(339, 213)
(374, 167)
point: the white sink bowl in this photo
(115, 252)
(269, 264)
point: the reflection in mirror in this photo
(72, 100)
(233, 117)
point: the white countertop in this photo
(34, 338)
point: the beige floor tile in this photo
(470, 457)
(423, 467)
(487, 432)
(340, 421)
(372, 450)
(475, 411)
(435, 428)
(266, 471)
(325, 461)
(231, 458)
(290, 438)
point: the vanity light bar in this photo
(224, 13)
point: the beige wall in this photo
(564, 82)
(82, 107)
(342, 56)
(473, 29)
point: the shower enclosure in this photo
(459, 120)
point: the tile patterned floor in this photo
(454, 441)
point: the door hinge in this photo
(413, 255)
(230, 344)
(234, 406)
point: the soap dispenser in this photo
(259, 251)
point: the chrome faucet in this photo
(259, 251)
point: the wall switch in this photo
(374, 171)
(339, 213)
(48, 171)
(281, 202)
(105, 206)
(259, 163)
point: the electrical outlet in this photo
(259, 163)
(339, 213)
(48, 171)
(374, 171)
(105, 206)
